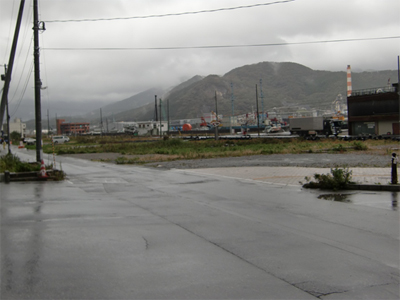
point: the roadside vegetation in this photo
(12, 163)
(136, 150)
(337, 179)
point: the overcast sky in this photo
(80, 62)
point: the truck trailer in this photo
(312, 126)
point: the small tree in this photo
(15, 137)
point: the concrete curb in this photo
(374, 187)
(26, 176)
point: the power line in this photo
(172, 14)
(22, 72)
(219, 46)
(23, 91)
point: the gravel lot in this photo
(321, 160)
(315, 160)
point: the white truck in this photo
(313, 126)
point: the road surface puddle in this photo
(336, 197)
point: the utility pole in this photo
(155, 109)
(8, 121)
(262, 101)
(398, 87)
(48, 124)
(160, 119)
(101, 122)
(216, 117)
(232, 104)
(258, 116)
(38, 82)
(7, 75)
(168, 115)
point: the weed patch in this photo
(338, 179)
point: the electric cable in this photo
(23, 91)
(23, 68)
(172, 14)
(220, 46)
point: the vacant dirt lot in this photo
(376, 157)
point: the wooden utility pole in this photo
(168, 116)
(258, 116)
(216, 117)
(48, 124)
(7, 75)
(160, 119)
(155, 109)
(101, 122)
(38, 82)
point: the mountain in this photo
(284, 85)
(146, 112)
(128, 104)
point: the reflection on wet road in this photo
(123, 232)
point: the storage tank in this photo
(186, 127)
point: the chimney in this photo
(349, 88)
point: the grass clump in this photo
(338, 179)
(360, 146)
(12, 163)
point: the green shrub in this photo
(12, 163)
(338, 179)
(360, 146)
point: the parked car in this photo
(29, 141)
(60, 139)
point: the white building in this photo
(17, 126)
(151, 127)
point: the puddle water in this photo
(336, 197)
(384, 200)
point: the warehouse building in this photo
(374, 111)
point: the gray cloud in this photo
(81, 76)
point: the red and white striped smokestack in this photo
(349, 88)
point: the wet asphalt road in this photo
(123, 232)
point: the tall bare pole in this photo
(216, 117)
(258, 116)
(48, 124)
(155, 109)
(7, 76)
(168, 116)
(398, 86)
(8, 121)
(38, 82)
(101, 122)
(160, 119)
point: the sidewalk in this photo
(366, 178)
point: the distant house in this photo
(374, 111)
(151, 127)
(68, 128)
(17, 126)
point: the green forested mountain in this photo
(283, 85)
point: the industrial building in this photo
(374, 111)
(68, 128)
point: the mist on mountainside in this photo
(279, 85)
